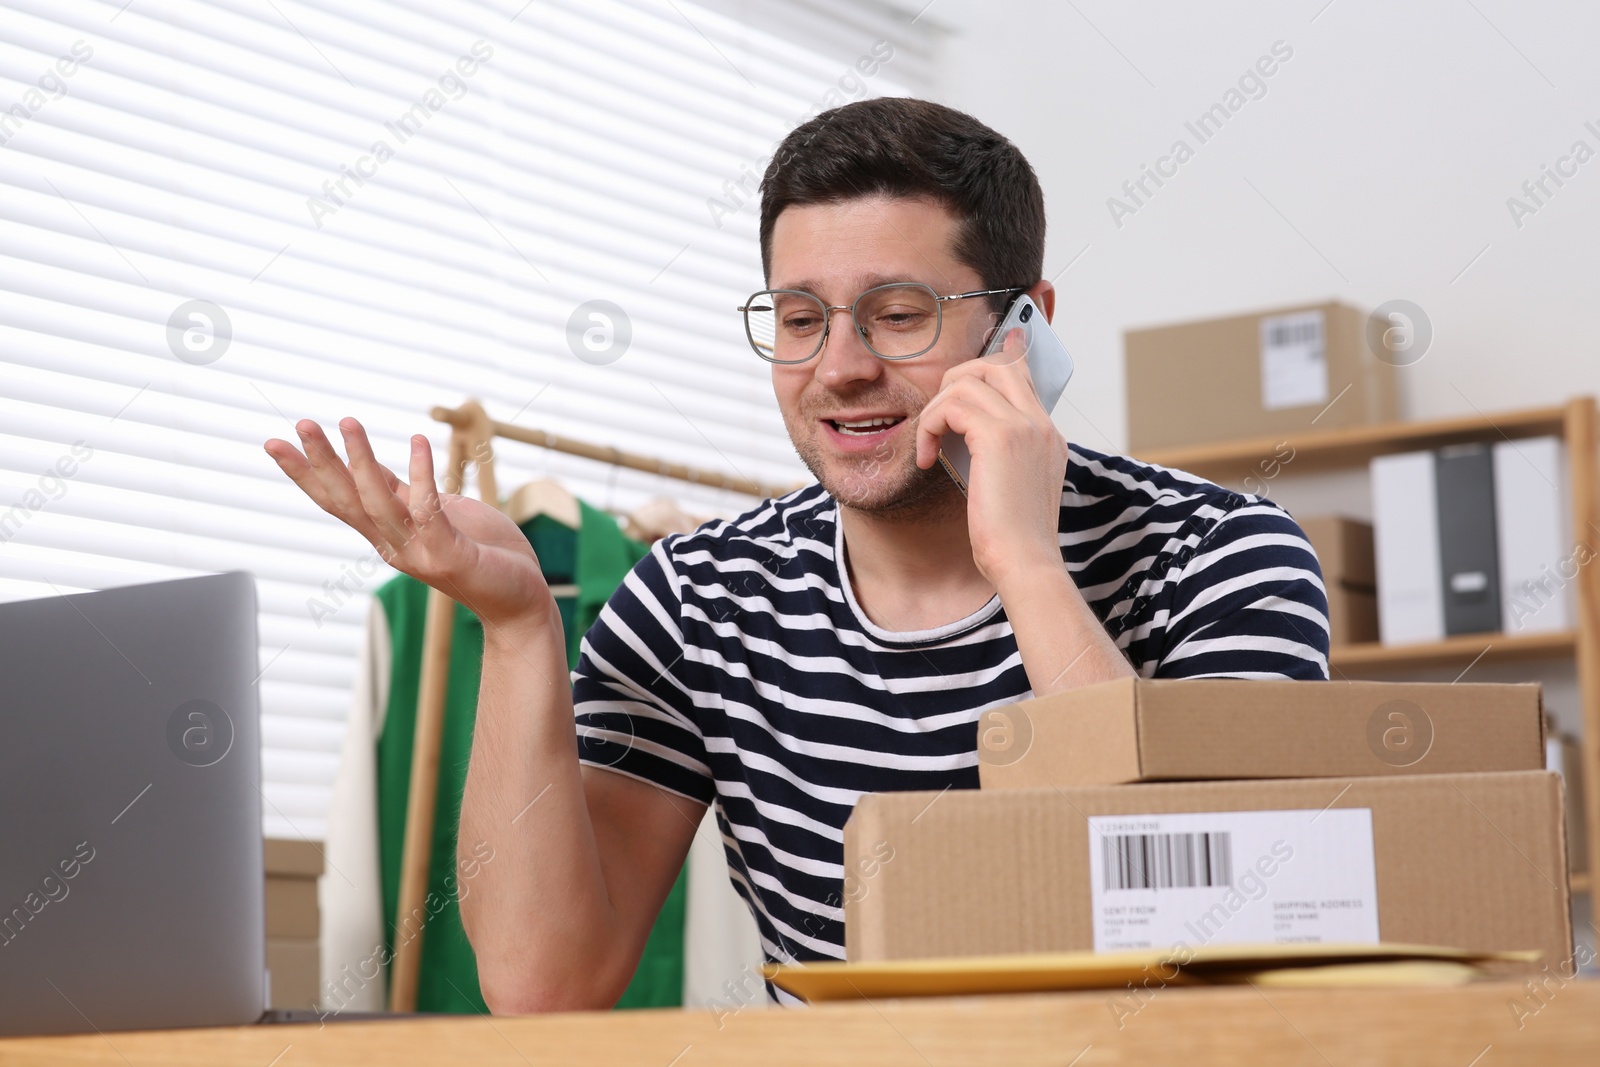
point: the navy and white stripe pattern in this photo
(734, 665)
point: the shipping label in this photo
(1294, 360)
(1233, 877)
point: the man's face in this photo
(835, 252)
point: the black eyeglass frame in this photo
(829, 309)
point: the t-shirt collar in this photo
(902, 638)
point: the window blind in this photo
(219, 217)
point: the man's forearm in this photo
(1062, 643)
(539, 916)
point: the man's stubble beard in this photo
(887, 483)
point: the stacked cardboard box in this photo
(1144, 814)
(293, 923)
(1286, 371)
(1349, 572)
(1563, 755)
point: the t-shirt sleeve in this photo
(1249, 603)
(633, 712)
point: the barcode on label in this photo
(1294, 332)
(1168, 861)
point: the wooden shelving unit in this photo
(1493, 648)
(1231, 462)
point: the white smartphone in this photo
(1048, 362)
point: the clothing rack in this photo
(472, 432)
(458, 417)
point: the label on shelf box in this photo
(1294, 360)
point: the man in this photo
(842, 639)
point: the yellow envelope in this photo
(1266, 964)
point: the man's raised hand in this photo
(466, 548)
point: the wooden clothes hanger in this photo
(472, 433)
(546, 496)
(656, 518)
(550, 498)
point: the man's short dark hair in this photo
(903, 147)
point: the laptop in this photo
(131, 884)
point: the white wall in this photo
(1391, 141)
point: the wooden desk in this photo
(1464, 1027)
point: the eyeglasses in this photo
(895, 321)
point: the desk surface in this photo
(1473, 1025)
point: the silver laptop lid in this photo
(130, 809)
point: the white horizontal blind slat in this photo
(203, 149)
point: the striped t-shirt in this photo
(734, 665)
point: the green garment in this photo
(596, 558)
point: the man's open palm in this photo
(466, 548)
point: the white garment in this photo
(350, 892)
(722, 949)
(721, 944)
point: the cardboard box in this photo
(1352, 614)
(294, 966)
(1230, 378)
(1472, 861)
(290, 858)
(1344, 547)
(292, 907)
(1142, 730)
(1564, 756)
(292, 868)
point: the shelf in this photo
(1454, 650)
(1314, 451)
(1231, 461)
